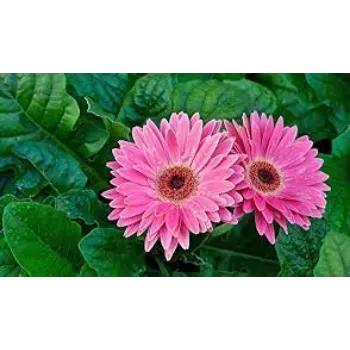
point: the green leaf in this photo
(22, 176)
(117, 131)
(8, 265)
(215, 99)
(149, 97)
(83, 205)
(112, 255)
(42, 98)
(299, 104)
(36, 107)
(238, 252)
(338, 204)
(87, 271)
(335, 93)
(184, 77)
(106, 89)
(59, 169)
(7, 199)
(341, 145)
(337, 166)
(90, 137)
(298, 252)
(42, 239)
(334, 256)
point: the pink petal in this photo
(165, 237)
(150, 241)
(137, 199)
(206, 203)
(110, 194)
(133, 210)
(171, 249)
(184, 238)
(128, 221)
(217, 186)
(190, 220)
(193, 141)
(117, 202)
(248, 206)
(157, 223)
(164, 127)
(270, 234)
(259, 202)
(205, 152)
(228, 199)
(114, 215)
(225, 214)
(146, 170)
(261, 224)
(163, 208)
(131, 230)
(183, 132)
(172, 146)
(172, 219)
(137, 136)
(214, 216)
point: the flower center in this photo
(176, 183)
(264, 177)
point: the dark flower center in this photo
(264, 177)
(176, 183)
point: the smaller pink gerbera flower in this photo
(283, 181)
(174, 180)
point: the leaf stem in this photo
(240, 255)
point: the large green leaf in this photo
(183, 77)
(20, 176)
(36, 107)
(334, 257)
(298, 252)
(299, 104)
(116, 131)
(106, 89)
(43, 240)
(215, 99)
(83, 205)
(112, 255)
(8, 265)
(156, 95)
(335, 93)
(90, 137)
(87, 271)
(59, 169)
(149, 97)
(5, 200)
(338, 199)
(237, 251)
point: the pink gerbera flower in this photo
(173, 180)
(283, 180)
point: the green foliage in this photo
(83, 205)
(156, 95)
(43, 240)
(56, 135)
(338, 166)
(299, 104)
(110, 254)
(298, 252)
(334, 256)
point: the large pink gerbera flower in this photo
(173, 180)
(283, 180)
